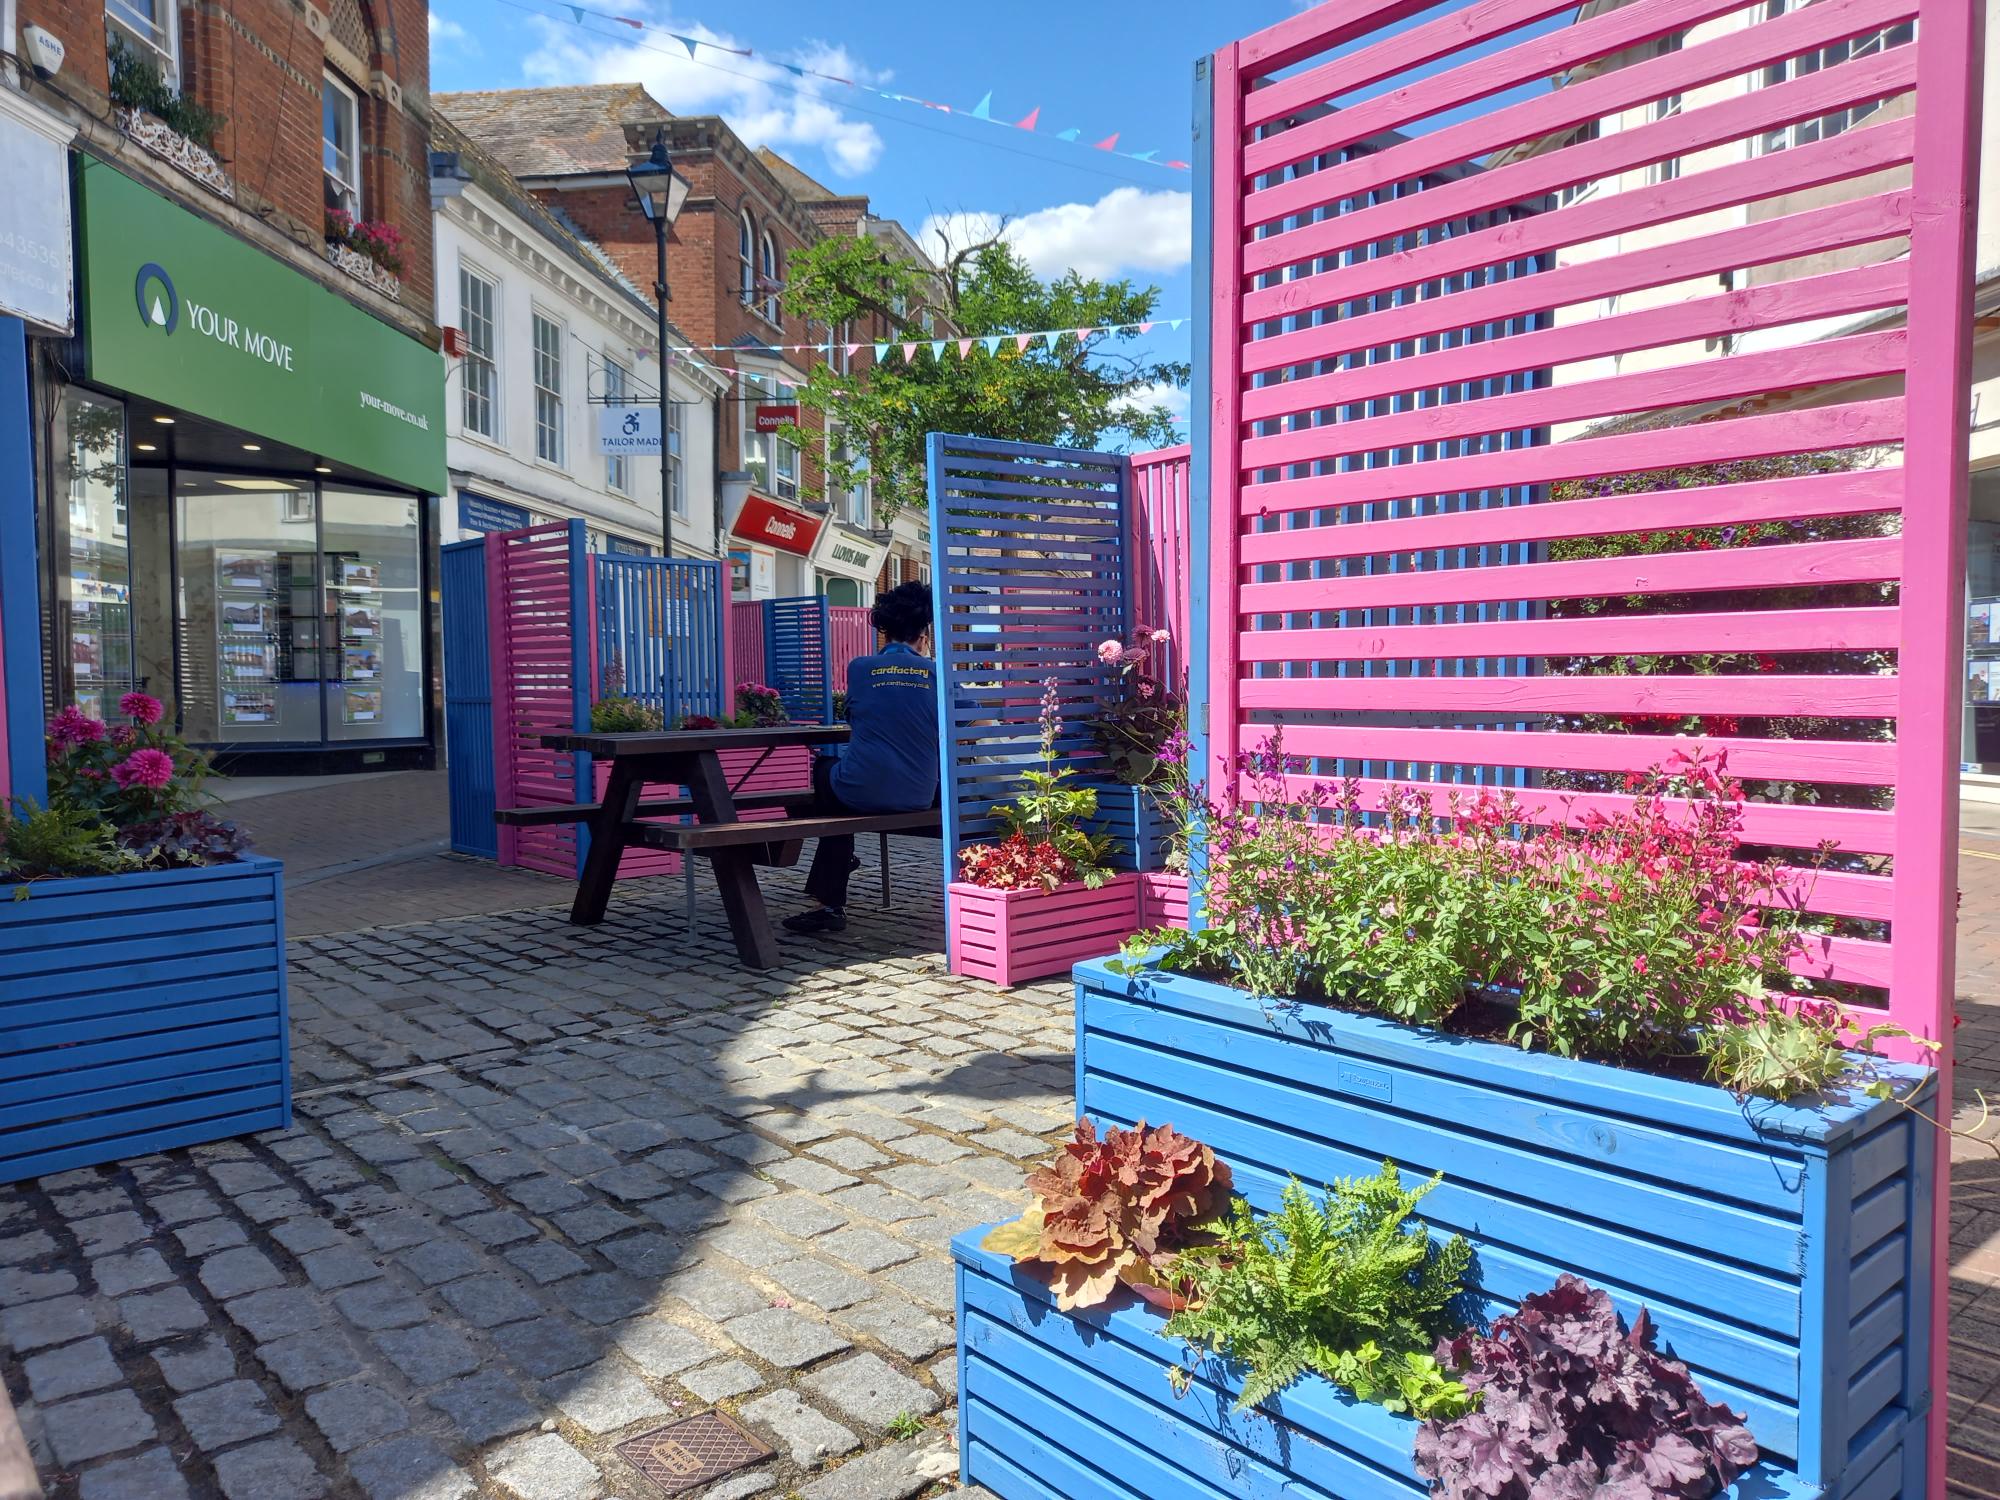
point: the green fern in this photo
(38, 842)
(1351, 1286)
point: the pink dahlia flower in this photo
(148, 768)
(1111, 652)
(141, 708)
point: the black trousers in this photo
(833, 858)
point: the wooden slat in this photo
(1854, 697)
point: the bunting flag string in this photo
(982, 111)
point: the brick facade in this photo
(260, 65)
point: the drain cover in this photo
(693, 1451)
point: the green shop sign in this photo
(180, 311)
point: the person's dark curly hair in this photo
(903, 613)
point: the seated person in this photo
(890, 764)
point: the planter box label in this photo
(1369, 1083)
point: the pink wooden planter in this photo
(783, 770)
(1163, 900)
(787, 769)
(637, 862)
(1010, 937)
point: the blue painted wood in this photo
(468, 698)
(659, 633)
(1129, 815)
(20, 608)
(1751, 1231)
(798, 657)
(1201, 439)
(141, 1012)
(1077, 1406)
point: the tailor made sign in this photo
(628, 429)
(180, 311)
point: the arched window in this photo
(746, 253)
(771, 282)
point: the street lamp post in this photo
(661, 192)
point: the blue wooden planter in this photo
(1128, 815)
(1077, 1406)
(139, 1012)
(1781, 1250)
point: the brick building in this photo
(234, 437)
(748, 213)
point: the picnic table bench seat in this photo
(694, 837)
(583, 812)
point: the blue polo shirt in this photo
(891, 763)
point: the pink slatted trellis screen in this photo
(1684, 283)
(537, 602)
(1160, 551)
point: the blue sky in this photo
(1099, 68)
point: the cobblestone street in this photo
(551, 1188)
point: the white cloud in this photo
(1127, 230)
(761, 101)
(1160, 393)
(446, 32)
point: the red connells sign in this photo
(775, 525)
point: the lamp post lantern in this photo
(661, 192)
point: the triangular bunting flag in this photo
(1027, 121)
(1083, 334)
(686, 41)
(1178, 165)
(909, 353)
(852, 350)
(1109, 143)
(1142, 155)
(1175, 323)
(1022, 340)
(1144, 329)
(937, 348)
(964, 348)
(992, 343)
(983, 109)
(635, 25)
(1068, 135)
(577, 11)
(881, 352)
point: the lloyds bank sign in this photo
(180, 310)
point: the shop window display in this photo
(92, 559)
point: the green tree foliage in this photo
(1071, 394)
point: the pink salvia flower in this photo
(147, 768)
(141, 708)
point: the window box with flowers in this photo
(164, 121)
(1594, 1033)
(369, 250)
(1044, 897)
(142, 963)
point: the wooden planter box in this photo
(139, 1012)
(1010, 937)
(785, 769)
(1780, 1249)
(1163, 900)
(637, 861)
(1077, 1406)
(1129, 816)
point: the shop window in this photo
(340, 145)
(151, 30)
(548, 390)
(1869, 44)
(478, 371)
(617, 390)
(847, 502)
(91, 625)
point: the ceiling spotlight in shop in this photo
(147, 447)
(164, 421)
(253, 447)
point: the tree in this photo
(1062, 391)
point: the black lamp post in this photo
(661, 191)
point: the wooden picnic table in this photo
(693, 758)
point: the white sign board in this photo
(35, 271)
(628, 429)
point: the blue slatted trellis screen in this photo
(659, 633)
(1028, 577)
(798, 657)
(468, 698)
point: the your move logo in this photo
(159, 303)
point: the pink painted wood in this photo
(848, 635)
(530, 614)
(1159, 554)
(1011, 937)
(1446, 293)
(746, 644)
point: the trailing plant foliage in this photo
(1638, 936)
(121, 797)
(623, 715)
(1571, 1405)
(1350, 1286)
(1113, 1210)
(1048, 813)
(137, 83)
(375, 239)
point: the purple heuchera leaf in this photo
(1574, 1407)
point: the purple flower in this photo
(147, 768)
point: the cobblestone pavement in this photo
(549, 1188)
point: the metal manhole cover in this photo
(693, 1451)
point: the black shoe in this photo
(823, 919)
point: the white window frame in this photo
(617, 392)
(340, 93)
(784, 458)
(755, 449)
(1665, 108)
(1826, 127)
(486, 363)
(676, 469)
(550, 417)
(123, 20)
(767, 262)
(746, 255)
